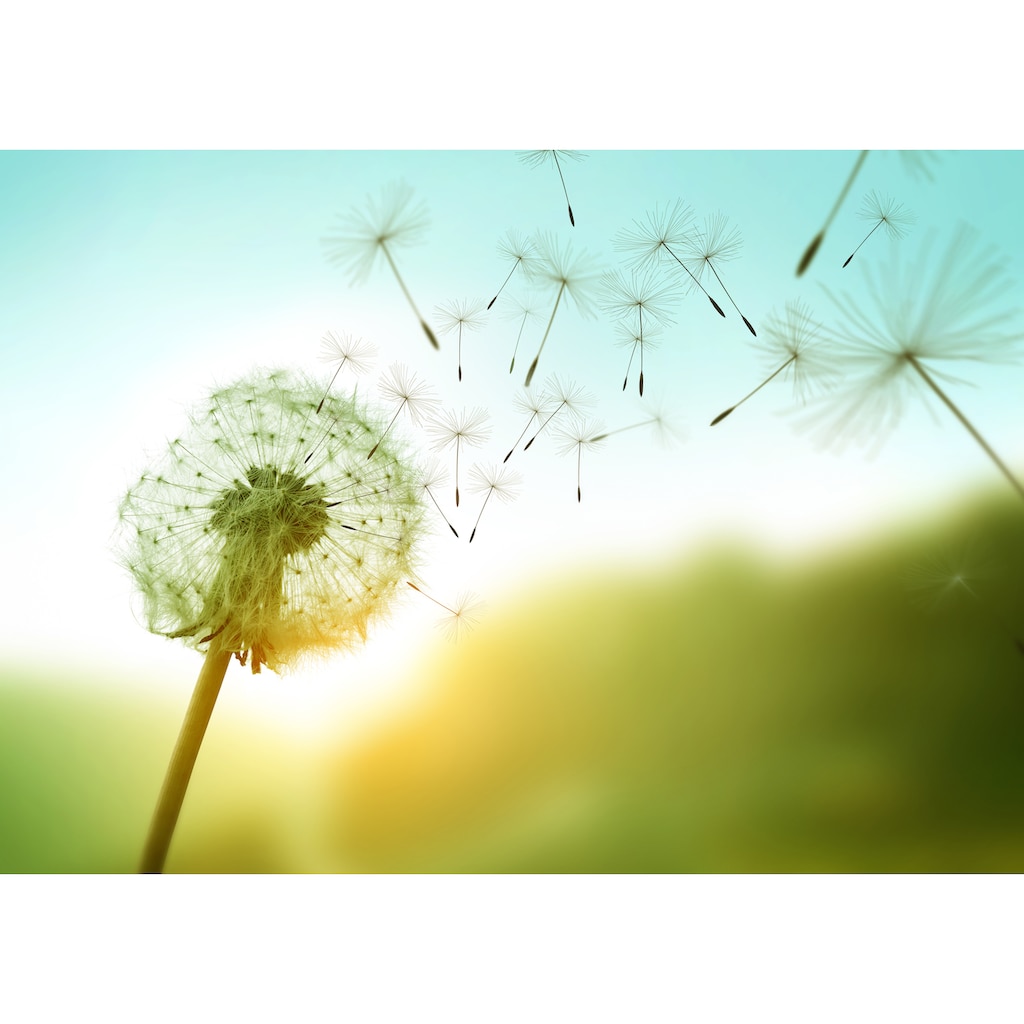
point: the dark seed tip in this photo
(750, 327)
(721, 416)
(718, 308)
(848, 258)
(805, 261)
(472, 535)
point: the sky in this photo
(132, 282)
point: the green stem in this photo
(1004, 469)
(179, 771)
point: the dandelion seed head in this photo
(235, 537)
(714, 243)
(389, 220)
(640, 294)
(577, 274)
(465, 427)
(519, 249)
(498, 480)
(797, 339)
(467, 314)
(883, 209)
(537, 157)
(661, 229)
(926, 309)
(947, 576)
(345, 351)
(402, 387)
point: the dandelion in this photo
(573, 276)
(883, 210)
(432, 476)
(461, 617)
(341, 352)
(523, 313)
(665, 233)
(914, 323)
(521, 252)
(796, 340)
(242, 548)
(628, 299)
(458, 430)
(565, 396)
(496, 480)
(918, 164)
(460, 316)
(409, 393)
(536, 157)
(536, 406)
(945, 578)
(388, 224)
(582, 434)
(716, 244)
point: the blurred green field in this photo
(732, 714)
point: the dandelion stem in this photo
(551, 320)
(805, 260)
(501, 289)
(179, 770)
(863, 240)
(405, 291)
(519, 336)
(480, 515)
(718, 308)
(926, 377)
(572, 219)
(750, 326)
(520, 437)
(440, 604)
(439, 509)
(721, 416)
(622, 430)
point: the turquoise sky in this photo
(131, 282)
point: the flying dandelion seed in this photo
(918, 164)
(942, 579)
(466, 429)
(796, 340)
(523, 313)
(714, 245)
(458, 317)
(572, 276)
(536, 406)
(565, 396)
(403, 388)
(521, 252)
(342, 352)
(461, 618)
(955, 314)
(536, 157)
(241, 548)
(582, 434)
(493, 480)
(629, 337)
(665, 233)
(628, 300)
(389, 223)
(883, 210)
(432, 477)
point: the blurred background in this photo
(737, 652)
